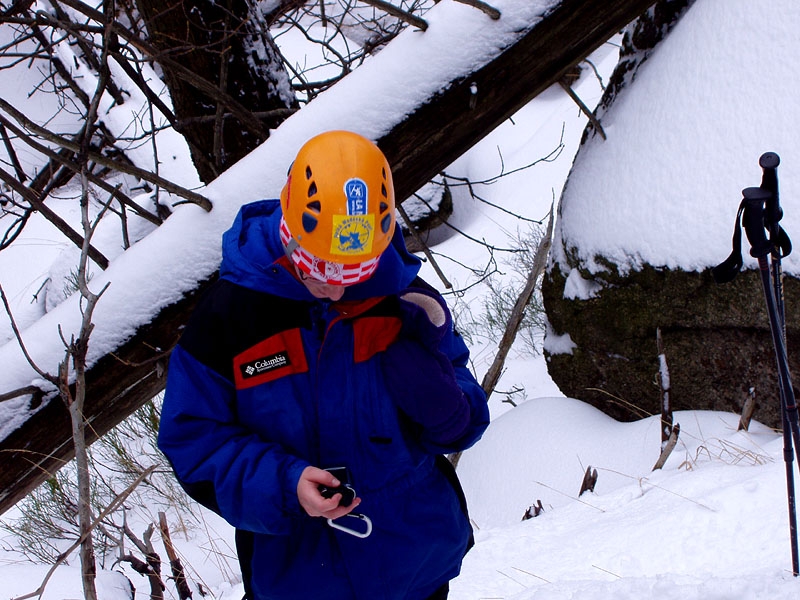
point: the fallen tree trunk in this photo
(428, 140)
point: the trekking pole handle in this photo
(769, 162)
(753, 220)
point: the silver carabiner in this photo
(354, 532)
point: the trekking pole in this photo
(761, 212)
(780, 246)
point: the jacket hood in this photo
(252, 256)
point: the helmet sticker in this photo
(352, 235)
(356, 192)
(324, 270)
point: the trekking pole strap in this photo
(753, 220)
(730, 267)
(759, 212)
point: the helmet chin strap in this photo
(290, 247)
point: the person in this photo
(319, 347)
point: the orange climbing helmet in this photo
(338, 208)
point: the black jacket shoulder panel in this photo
(419, 282)
(230, 319)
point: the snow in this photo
(686, 140)
(578, 288)
(663, 189)
(699, 527)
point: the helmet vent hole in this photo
(309, 222)
(386, 223)
(384, 192)
(312, 189)
(383, 172)
(308, 172)
(314, 206)
(384, 207)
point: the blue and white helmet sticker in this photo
(356, 191)
(353, 233)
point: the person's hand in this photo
(425, 317)
(312, 500)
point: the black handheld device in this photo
(345, 488)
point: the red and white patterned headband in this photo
(322, 270)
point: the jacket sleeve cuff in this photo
(289, 484)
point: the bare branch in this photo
(171, 187)
(178, 574)
(277, 113)
(16, 8)
(87, 50)
(424, 246)
(44, 375)
(116, 503)
(12, 154)
(28, 390)
(668, 447)
(584, 109)
(202, 84)
(51, 216)
(665, 386)
(401, 14)
(489, 10)
(151, 566)
(492, 376)
(747, 410)
(589, 481)
(52, 176)
(58, 65)
(669, 432)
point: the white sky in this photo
(664, 188)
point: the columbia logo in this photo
(265, 364)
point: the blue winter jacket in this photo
(267, 380)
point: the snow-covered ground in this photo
(713, 523)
